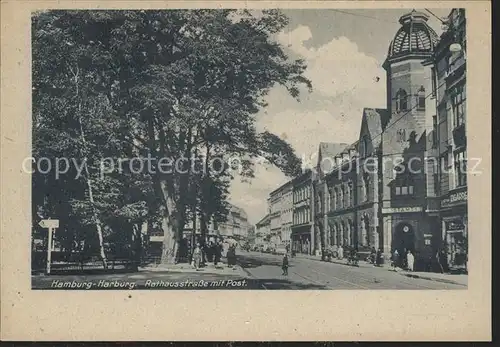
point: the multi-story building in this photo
(263, 230)
(236, 226)
(403, 184)
(348, 204)
(274, 206)
(303, 235)
(325, 167)
(408, 194)
(369, 185)
(449, 136)
(281, 207)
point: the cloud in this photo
(344, 82)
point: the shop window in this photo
(458, 101)
(460, 163)
(401, 100)
(421, 98)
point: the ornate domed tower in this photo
(404, 143)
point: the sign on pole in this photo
(49, 224)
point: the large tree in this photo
(173, 85)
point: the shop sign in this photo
(454, 198)
(401, 209)
(455, 226)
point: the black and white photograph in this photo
(246, 149)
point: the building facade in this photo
(303, 235)
(325, 168)
(263, 230)
(286, 214)
(408, 197)
(450, 140)
(236, 225)
(274, 206)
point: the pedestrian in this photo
(380, 258)
(410, 260)
(340, 252)
(217, 252)
(284, 265)
(373, 255)
(197, 257)
(395, 259)
(438, 260)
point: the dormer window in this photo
(421, 98)
(401, 100)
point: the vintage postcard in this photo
(175, 153)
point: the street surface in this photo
(263, 272)
(265, 269)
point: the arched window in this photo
(351, 194)
(364, 148)
(342, 196)
(333, 200)
(366, 186)
(401, 100)
(421, 98)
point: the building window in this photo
(401, 100)
(434, 78)
(460, 162)
(351, 195)
(436, 184)
(458, 104)
(364, 148)
(434, 132)
(421, 98)
(404, 187)
(332, 200)
(366, 187)
(342, 195)
(401, 135)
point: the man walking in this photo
(284, 265)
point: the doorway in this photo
(404, 238)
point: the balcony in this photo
(459, 137)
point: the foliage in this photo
(167, 84)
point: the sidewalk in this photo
(210, 268)
(361, 263)
(438, 277)
(431, 276)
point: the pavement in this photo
(221, 269)
(337, 274)
(254, 271)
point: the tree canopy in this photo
(119, 86)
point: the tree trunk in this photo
(87, 173)
(169, 226)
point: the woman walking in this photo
(197, 257)
(410, 260)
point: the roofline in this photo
(406, 55)
(289, 182)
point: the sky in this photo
(344, 51)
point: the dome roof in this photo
(415, 35)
